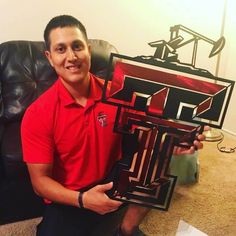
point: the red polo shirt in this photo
(78, 141)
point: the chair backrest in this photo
(25, 73)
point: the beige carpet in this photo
(209, 205)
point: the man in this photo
(67, 150)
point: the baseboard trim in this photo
(229, 132)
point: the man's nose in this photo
(71, 55)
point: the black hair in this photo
(62, 21)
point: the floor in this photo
(210, 204)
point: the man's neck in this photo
(79, 91)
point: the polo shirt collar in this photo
(95, 93)
(96, 86)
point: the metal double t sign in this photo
(160, 105)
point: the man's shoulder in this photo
(46, 101)
(97, 79)
(102, 82)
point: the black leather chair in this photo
(25, 74)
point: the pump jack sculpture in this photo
(162, 103)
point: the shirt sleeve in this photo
(37, 138)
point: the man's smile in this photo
(74, 68)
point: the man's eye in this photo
(77, 47)
(60, 49)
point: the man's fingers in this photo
(198, 144)
(207, 128)
(105, 187)
(201, 137)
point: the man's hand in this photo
(96, 199)
(197, 144)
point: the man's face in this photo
(69, 54)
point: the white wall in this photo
(130, 25)
(227, 66)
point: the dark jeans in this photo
(61, 220)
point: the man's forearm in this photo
(49, 189)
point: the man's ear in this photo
(89, 48)
(48, 55)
